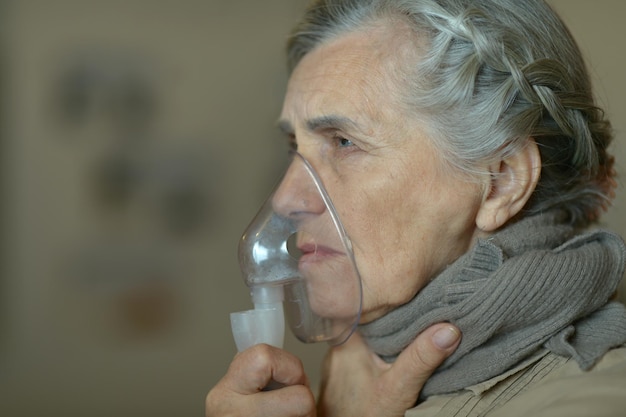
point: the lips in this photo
(307, 248)
(313, 253)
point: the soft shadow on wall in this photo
(137, 142)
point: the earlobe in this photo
(513, 180)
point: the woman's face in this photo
(406, 215)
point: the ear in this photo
(513, 181)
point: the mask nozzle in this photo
(264, 324)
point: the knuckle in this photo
(262, 352)
(258, 359)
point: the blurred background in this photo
(137, 141)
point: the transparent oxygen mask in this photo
(298, 263)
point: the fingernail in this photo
(446, 337)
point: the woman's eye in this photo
(343, 142)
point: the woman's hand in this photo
(357, 383)
(240, 391)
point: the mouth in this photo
(312, 252)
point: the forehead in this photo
(360, 71)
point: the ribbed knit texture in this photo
(534, 284)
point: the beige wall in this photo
(109, 304)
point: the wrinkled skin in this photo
(356, 383)
(239, 392)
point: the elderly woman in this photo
(461, 146)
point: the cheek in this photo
(333, 288)
(378, 221)
(404, 232)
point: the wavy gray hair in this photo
(494, 74)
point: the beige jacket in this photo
(545, 385)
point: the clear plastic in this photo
(295, 256)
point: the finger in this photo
(253, 369)
(422, 357)
(292, 401)
(295, 400)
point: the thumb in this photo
(419, 360)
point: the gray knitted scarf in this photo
(536, 284)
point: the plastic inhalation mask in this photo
(298, 263)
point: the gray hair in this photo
(494, 74)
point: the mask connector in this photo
(264, 324)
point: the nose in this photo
(298, 194)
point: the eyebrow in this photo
(321, 123)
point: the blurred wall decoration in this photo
(137, 141)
